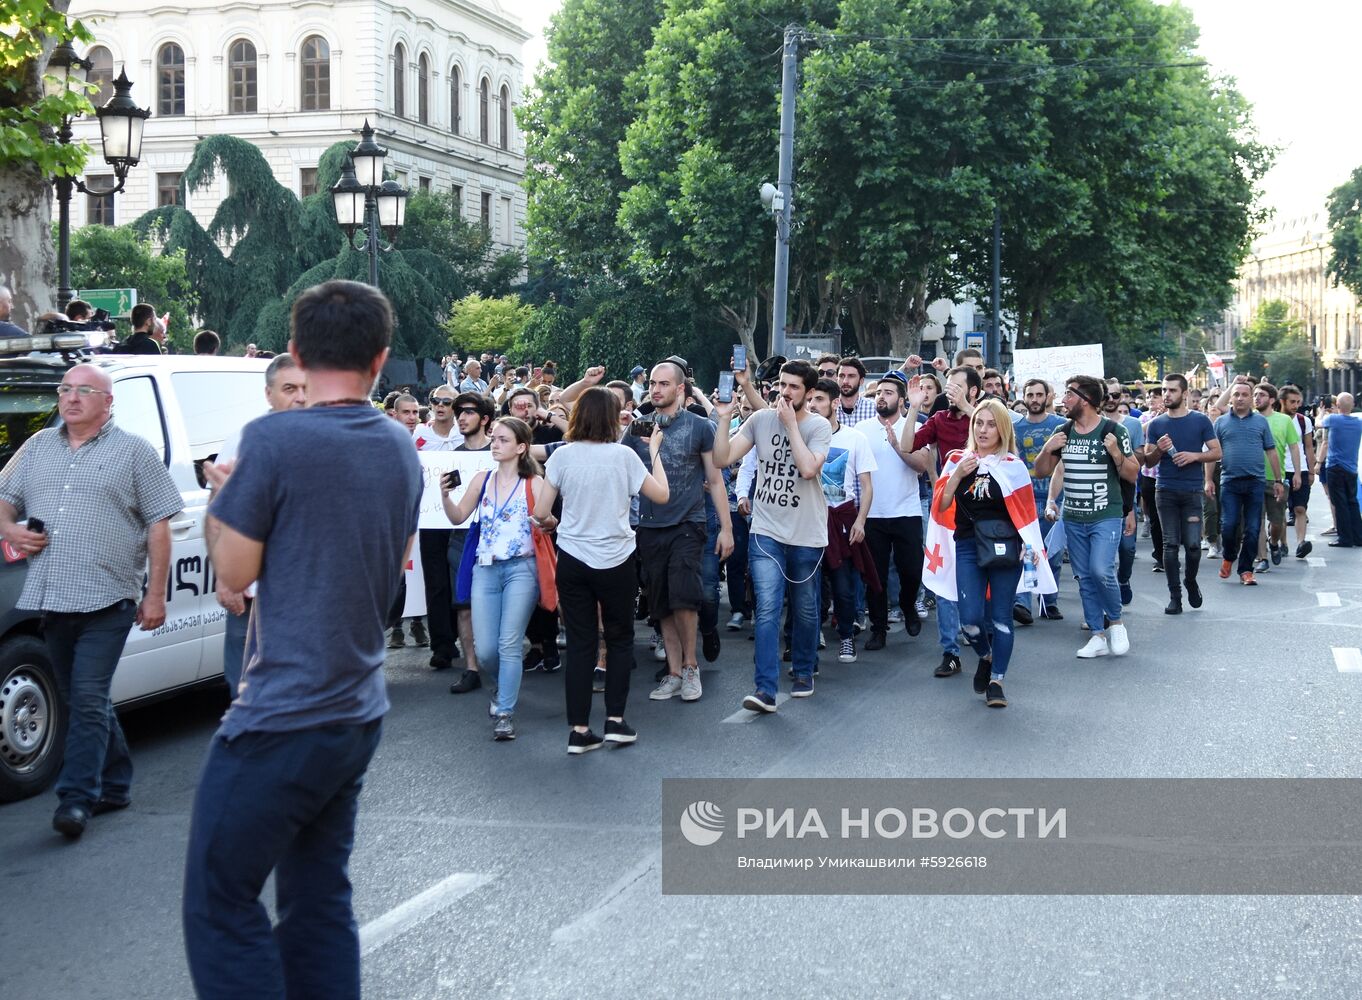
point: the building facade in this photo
(1290, 262)
(438, 79)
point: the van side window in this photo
(137, 410)
(216, 405)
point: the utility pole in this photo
(789, 71)
(995, 332)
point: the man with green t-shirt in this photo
(1287, 437)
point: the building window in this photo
(455, 96)
(424, 184)
(241, 99)
(423, 90)
(484, 110)
(99, 208)
(316, 74)
(101, 74)
(167, 189)
(504, 112)
(486, 211)
(170, 80)
(505, 221)
(400, 81)
(456, 196)
(307, 182)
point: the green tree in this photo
(552, 333)
(477, 324)
(1292, 363)
(1345, 233)
(116, 257)
(1272, 327)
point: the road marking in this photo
(743, 715)
(401, 918)
(591, 924)
(1328, 599)
(1316, 561)
(1348, 659)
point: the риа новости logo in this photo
(702, 823)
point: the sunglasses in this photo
(441, 401)
(466, 410)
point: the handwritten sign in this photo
(434, 464)
(1055, 364)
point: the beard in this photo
(851, 393)
(887, 409)
(1035, 409)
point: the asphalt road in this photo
(540, 872)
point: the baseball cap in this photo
(636, 370)
(897, 376)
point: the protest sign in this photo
(1056, 364)
(435, 464)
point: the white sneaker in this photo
(1097, 646)
(690, 684)
(735, 623)
(1120, 642)
(660, 652)
(669, 688)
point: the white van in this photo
(186, 406)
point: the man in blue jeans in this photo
(789, 525)
(1342, 433)
(280, 786)
(1244, 438)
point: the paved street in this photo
(541, 871)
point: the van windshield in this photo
(26, 407)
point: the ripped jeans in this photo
(1180, 513)
(986, 596)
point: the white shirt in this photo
(849, 456)
(427, 438)
(895, 484)
(1306, 442)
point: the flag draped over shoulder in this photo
(1011, 475)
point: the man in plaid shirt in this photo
(852, 407)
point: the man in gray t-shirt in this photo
(789, 525)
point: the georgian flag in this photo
(1010, 473)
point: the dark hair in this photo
(286, 361)
(78, 309)
(853, 362)
(1179, 380)
(526, 466)
(341, 326)
(523, 372)
(142, 314)
(828, 357)
(623, 387)
(1037, 381)
(1090, 389)
(479, 402)
(389, 401)
(828, 386)
(993, 373)
(524, 390)
(968, 352)
(973, 380)
(206, 342)
(801, 370)
(1268, 388)
(1292, 389)
(596, 417)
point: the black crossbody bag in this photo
(997, 544)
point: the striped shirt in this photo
(1092, 486)
(96, 504)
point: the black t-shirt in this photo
(139, 343)
(546, 434)
(978, 498)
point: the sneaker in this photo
(736, 622)
(418, 632)
(896, 616)
(847, 651)
(669, 688)
(1247, 580)
(1119, 640)
(1097, 646)
(551, 663)
(1052, 613)
(802, 688)
(982, 674)
(438, 662)
(1225, 569)
(994, 697)
(1329, 531)
(598, 680)
(913, 626)
(1260, 566)
(929, 600)
(791, 674)
(468, 681)
(503, 730)
(1277, 551)
(921, 608)
(1022, 615)
(1174, 606)
(619, 732)
(582, 742)
(950, 666)
(396, 640)
(876, 641)
(1304, 549)
(710, 645)
(534, 657)
(690, 684)
(1215, 551)
(1128, 595)
(1193, 594)
(861, 624)
(759, 701)
(660, 652)
(562, 638)
(1158, 567)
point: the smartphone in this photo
(36, 524)
(538, 374)
(453, 480)
(739, 358)
(641, 428)
(725, 387)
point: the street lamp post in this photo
(120, 135)
(363, 199)
(949, 340)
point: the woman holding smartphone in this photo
(505, 577)
(597, 477)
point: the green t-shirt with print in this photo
(1285, 434)
(1092, 486)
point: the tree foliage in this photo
(1345, 233)
(477, 324)
(116, 257)
(1271, 329)
(29, 117)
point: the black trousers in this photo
(582, 591)
(1149, 504)
(435, 572)
(1180, 515)
(901, 539)
(1343, 493)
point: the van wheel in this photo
(31, 716)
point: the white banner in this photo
(1056, 364)
(435, 464)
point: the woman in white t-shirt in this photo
(597, 477)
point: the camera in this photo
(56, 323)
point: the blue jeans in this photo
(1056, 560)
(948, 625)
(85, 648)
(282, 802)
(986, 598)
(234, 647)
(843, 580)
(1092, 555)
(737, 566)
(503, 596)
(776, 568)
(1241, 519)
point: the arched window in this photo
(170, 80)
(423, 90)
(400, 81)
(241, 93)
(484, 110)
(101, 73)
(504, 114)
(455, 97)
(316, 74)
